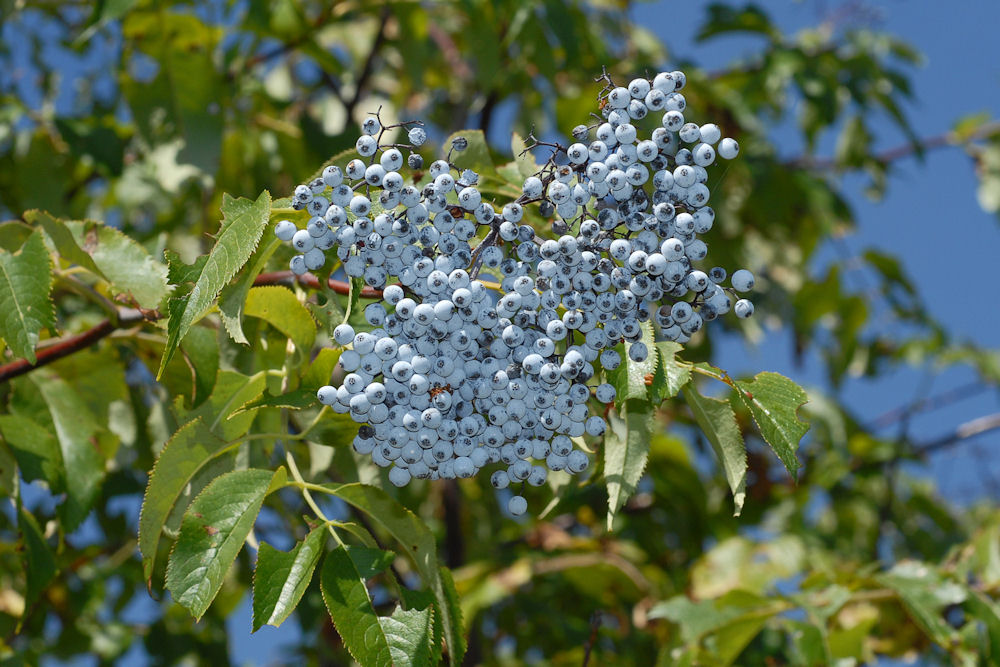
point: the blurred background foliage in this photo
(142, 115)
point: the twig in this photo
(56, 349)
(965, 431)
(595, 625)
(931, 403)
(944, 140)
(369, 65)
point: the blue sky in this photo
(929, 218)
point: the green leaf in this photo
(420, 546)
(626, 447)
(123, 262)
(212, 533)
(670, 375)
(402, 640)
(774, 401)
(234, 295)
(187, 451)
(279, 307)
(242, 225)
(25, 307)
(346, 598)
(79, 436)
(281, 578)
(410, 634)
(296, 399)
(353, 298)
(109, 254)
(39, 561)
(718, 422)
(985, 609)
(732, 620)
(629, 379)
(925, 594)
(526, 164)
(63, 239)
(35, 449)
(476, 156)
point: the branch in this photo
(57, 348)
(944, 140)
(927, 404)
(965, 431)
(369, 64)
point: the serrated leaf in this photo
(350, 606)
(279, 307)
(123, 262)
(402, 640)
(234, 295)
(420, 547)
(212, 533)
(626, 447)
(629, 379)
(39, 561)
(718, 423)
(410, 634)
(296, 399)
(109, 254)
(242, 226)
(281, 578)
(187, 451)
(63, 239)
(670, 375)
(774, 401)
(25, 307)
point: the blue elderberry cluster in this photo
(458, 373)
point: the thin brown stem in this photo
(56, 349)
(944, 140)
